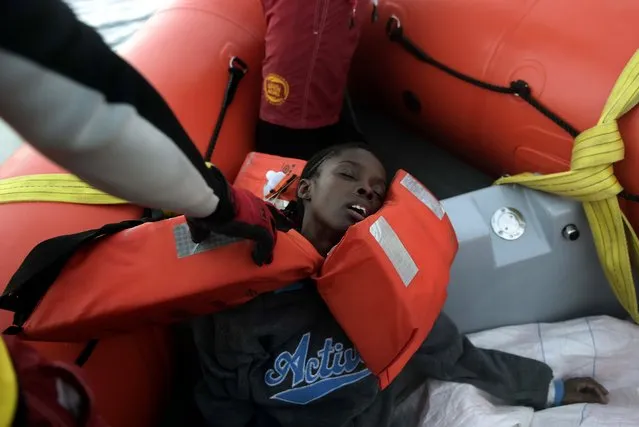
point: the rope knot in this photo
(521, 88)
(598, 146)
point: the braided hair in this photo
(294, 211)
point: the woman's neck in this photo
(320, 238)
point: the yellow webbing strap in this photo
(591, 180)
(56, 187)
(8, 387)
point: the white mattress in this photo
(602, 347)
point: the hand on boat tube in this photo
(584, 390)
(239, 213)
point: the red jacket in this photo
(309, 46)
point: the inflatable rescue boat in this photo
(504, 86)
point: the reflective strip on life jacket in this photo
(386, 281)
(154, 273)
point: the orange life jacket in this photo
(385, 282)
(151, 273)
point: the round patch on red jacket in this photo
(275, 89)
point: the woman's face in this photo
(348, 187)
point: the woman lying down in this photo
(251, 354)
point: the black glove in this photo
(239, 214)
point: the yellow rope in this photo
(591, 179)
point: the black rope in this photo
(86, 352)
(518, 88)
(237, 70)
(522, 90)
(629, 196)
(374, 14)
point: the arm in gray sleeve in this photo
(75, 100)
(448, 356)
(108, 145)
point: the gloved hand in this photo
(239, 214)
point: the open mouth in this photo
(358, 211)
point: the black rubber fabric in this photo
(300, 143)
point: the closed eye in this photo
(347, 175)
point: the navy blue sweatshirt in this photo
(282, 360)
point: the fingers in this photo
(280, 221)
(585, 390)
(260, 257)
(198, 233)
(263, 251)
(589, 398)
(264, 242)
(591, 387)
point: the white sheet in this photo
(602, 347)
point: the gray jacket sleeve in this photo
(88, 110)
(446, 355)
